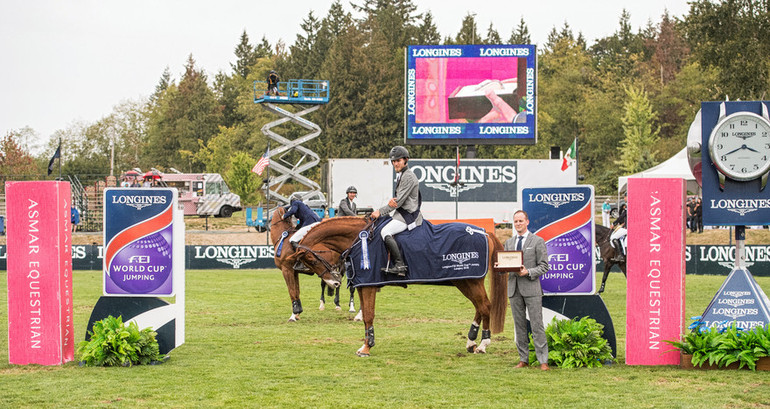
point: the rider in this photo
(406, 203)
(347, 206)
(618, 237)
(307, 219)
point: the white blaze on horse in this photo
(339, 234)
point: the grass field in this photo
(241, 352)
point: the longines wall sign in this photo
(714, 260)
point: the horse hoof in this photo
(359, 316)
(321, 307)
(471, 349)
(362, 354)
(479, 351)
(338, 308)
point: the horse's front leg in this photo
(292, 283)
(366, 297)
(607, 267)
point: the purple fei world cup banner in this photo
(138, 239)
(563, 217)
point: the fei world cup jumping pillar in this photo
(40, 324)
(656, 270)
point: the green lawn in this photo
(241, 352)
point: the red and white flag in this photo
(262, 163)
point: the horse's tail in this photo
(498, 289)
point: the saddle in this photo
(435, 254)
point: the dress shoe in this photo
(521, 365)
(544, 367)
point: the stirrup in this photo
(399, 270)
(300, 266)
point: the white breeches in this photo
(392, 228)
(301, 233)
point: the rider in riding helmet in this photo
(618, 237)
(406, 204)
(347, 206)
(307, 219)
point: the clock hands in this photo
(741, 148)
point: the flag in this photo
(56, 154)
(262, 163)
(569, 157)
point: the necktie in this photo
(518, 243)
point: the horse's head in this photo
(322, 261)
(278, 225)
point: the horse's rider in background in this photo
(618, 237)
(406, 203)
(347, 206)
(307, 219)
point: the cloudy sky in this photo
(67, 61)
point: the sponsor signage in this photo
(40, 319)
(563, 217)
(480, 180)
(656, 268)
(739, 203)
(471, 94)
(138, 237)
(739, 300)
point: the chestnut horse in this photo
(607, 253)
(339, 234)
(280, 231)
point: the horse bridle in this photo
(329, 268)
(334, 269)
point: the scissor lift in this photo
(310, 93)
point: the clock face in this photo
(739, 146)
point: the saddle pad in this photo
(435, 254)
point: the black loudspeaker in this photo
(555, 152)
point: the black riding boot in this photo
(619, 255)
(298, 265)
(399, 267)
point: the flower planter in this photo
(763, 364)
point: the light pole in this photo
(473, 27)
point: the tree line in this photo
(628, 98)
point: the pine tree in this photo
(638, 149)
(246, 56)
(520, 34)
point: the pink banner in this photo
(656, 270)
(40, 327)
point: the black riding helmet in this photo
(398, 152)
(352, 189)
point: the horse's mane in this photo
(341, 226)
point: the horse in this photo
(340, 233)
(607, 252)
(286, 257)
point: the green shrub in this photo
(115, 344)
(575, 343)
(724, 346)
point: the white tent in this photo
(675, 167)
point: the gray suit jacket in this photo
(536, 262)
(346, 208)
(407, 191)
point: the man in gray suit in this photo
(525, 292)
(347, 206)
(406, 204)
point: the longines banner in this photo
(711, 260)
(480, 180)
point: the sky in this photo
(62, 62)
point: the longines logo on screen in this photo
(235, 256)
(556, 199)
(479, 180)
(138, 202)
(740, 206)
(437, 52)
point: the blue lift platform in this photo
(294, 92)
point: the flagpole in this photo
(60, 159)
(577, 171)
(457, 181)
(267, 195)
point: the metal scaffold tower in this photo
(311, 94)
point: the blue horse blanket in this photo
(434, 254)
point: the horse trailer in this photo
(203, 194)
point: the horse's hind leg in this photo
(323, 300)
(337, 299)
(352, 302)
(366, 298)
(478, 297)
(292, 283)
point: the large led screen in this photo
(471, 94)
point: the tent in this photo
(676, 166)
